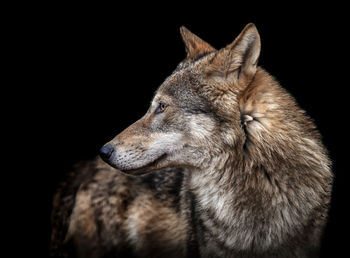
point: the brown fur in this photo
(239, 170)
(194, 45)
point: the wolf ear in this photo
(195, 46)
(239, 59)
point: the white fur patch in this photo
(201, 126)
(165, 142)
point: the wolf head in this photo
(195, 114)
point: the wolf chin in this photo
(238, 169)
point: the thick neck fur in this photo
(281, 167)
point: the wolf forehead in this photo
(185, 86)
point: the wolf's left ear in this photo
(195, 46)
(239, 59)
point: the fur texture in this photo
(238, 169)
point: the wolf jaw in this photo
(152, 166)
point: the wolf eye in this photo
(161, 108)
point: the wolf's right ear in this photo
(195, 46)
(238, 61)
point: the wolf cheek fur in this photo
(240, 170)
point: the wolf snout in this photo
(106, 152)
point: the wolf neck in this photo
(259, 172)
(214, 187)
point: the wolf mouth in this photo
(147, 168)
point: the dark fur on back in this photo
(112, 196)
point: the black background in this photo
(92, 71)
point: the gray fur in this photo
(238, 169)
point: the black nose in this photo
(106, 151)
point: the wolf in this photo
(223, 164)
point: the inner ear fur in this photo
(239, 59)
